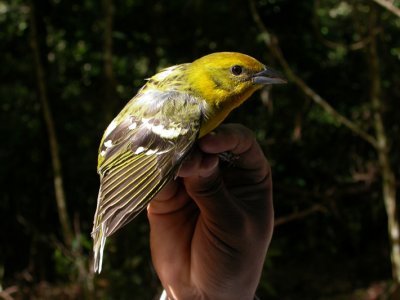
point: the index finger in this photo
(237, 139)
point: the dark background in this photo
(68, 67)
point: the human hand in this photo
(211, 227)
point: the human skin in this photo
(211, 227)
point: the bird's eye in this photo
(236, 70)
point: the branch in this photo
(272, 43)
(389, 6)
(299, 214)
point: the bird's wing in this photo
(139, 156)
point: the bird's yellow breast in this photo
(221, 109)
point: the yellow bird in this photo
(143, 147)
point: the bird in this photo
(145, 144)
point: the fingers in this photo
(251, 166)
(198, 163)
(233, 138)
(201, 168)
(229, 137)
(203, 180)
(237, 139)
(169, 200)
(214, 214)
(202, 175)
(222, 188)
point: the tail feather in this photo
(99, 241)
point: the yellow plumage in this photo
(144, 145)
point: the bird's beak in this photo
(268, 76)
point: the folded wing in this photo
(139, 155)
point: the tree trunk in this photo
(383, 150)
(75, 253)
(51, 131)
(110, 84)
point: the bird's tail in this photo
(99, 237)
(99, 241)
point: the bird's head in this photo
(229, 77)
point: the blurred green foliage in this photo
(332, 252)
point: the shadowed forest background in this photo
(331, 134)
